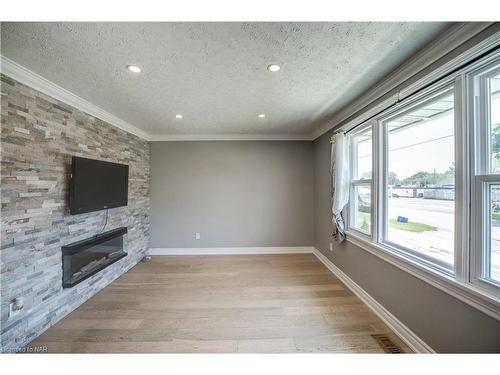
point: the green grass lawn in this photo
(411, 226)
(495, 215)
(364, 217)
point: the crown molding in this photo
(437, 49)
(451, 39)
(39, 83)
(230, 137)
(465, 57)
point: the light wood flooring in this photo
(223, 304)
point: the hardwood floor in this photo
(223, 304)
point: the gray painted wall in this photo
(234, 193)
(39, 136)
(442, 321)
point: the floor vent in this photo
(386, 343)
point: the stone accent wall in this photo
(38, 137)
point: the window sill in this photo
(465, 292)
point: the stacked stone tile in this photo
(39, 135)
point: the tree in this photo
(423, 179)
(393, 179)
(364, 225)
(451, 171)
(495, 142)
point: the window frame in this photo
(481, 175)
(463, 281)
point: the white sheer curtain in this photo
(339, 182)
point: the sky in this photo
(427, 146)
(407, 157)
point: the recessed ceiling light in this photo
(134, 68)
(273, 68)
(262, 115)
(179, 116)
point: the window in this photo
(492, 254)
(419, 185)
(487, 175)
(360, 215)
(425, 184)
(493, 97)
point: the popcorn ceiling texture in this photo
(38, 137)
(215, 73)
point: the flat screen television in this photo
(97, 185)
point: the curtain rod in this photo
(420, 89)
(368, 119)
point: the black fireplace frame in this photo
(85, 244)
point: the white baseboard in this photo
(408, 336)
(229, 250)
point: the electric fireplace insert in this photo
(85, 258)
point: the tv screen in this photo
(97, 185)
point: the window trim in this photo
(462, 284)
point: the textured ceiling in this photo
(215, 73)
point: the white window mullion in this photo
(375, 180)
(382, 163)
(477, 234)
(479, 157)
(462, 180)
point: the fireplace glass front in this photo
(83, 259)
